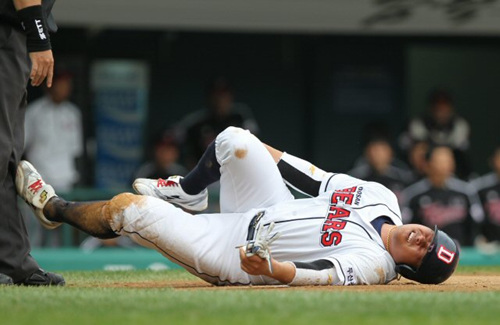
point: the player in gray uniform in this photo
(349, 232)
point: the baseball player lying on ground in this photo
(349, 232)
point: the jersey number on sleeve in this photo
(330, 231)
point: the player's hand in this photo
(42, 66)
(261, 244)
(254, 264)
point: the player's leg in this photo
(90, 217)
(249, 175)
(201, 243)
(189, 192)
(205, 244)
(197, 243)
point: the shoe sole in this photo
(196, 206)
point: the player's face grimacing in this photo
(410, 243)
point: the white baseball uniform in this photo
(333, 226)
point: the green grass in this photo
(90, 299)
(485, 269)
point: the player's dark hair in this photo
(166, 138)
(218, 85)
(62, 73)
(439, 95)
(376, 132)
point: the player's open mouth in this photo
(411, 235)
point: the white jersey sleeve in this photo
(352, 269)
(364, 268)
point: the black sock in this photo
(205, 173)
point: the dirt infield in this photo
(462, 283)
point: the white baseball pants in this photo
(204, 244)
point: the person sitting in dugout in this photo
(348, 232)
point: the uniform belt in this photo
(253, 224)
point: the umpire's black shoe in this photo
(5, 279)
(42, 278)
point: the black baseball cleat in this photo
(42, 278)
(5, 279)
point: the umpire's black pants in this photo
(15, 258)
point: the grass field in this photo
(175, 297)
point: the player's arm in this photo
(299, 173)
(38, 41)
(320, 272)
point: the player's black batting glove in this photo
(261, 243)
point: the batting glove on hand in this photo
(261, 243)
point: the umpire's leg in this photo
(15, 260)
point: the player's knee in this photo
(233, 142)
(114, 211)
(122, 200)
(230, 133)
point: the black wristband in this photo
(35, 27)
